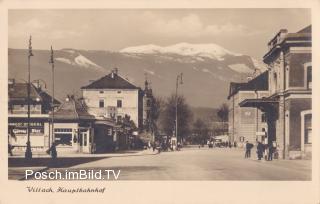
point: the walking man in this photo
(248, 149)
(260, 149)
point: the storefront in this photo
(73, 127)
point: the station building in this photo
(288, 107)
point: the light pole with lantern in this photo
(52, 99)
(28, 153)
(178, 81)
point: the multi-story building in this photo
(288, 108)
(40, 106)
(113, 96)
(73, 126)
(247, 123)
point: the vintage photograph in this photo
(160, 94)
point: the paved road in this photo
(189, 164)
(202, 164)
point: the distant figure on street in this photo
(53, 151)
(248, 147)
(271, 151)
(260, 149)
(10, 149)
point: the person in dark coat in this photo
(53, 151)
(248, 149)
(260, 149)
(270, 153)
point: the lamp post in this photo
(52, 98)
(178, 81)
(28, 154)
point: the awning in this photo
(105, 122)
(260, 103)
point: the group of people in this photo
(163, 146)
(212, 143)
(266, 151)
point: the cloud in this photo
(42, 29)
(191, 26)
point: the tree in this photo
(155, 110)
(169, 116)
(200, 131)
(223, 113)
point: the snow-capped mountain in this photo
(76, 59)
(211, 51)
(205, 67)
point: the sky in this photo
(244, 31)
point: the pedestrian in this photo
(271, 150)
(248, 148)
(260, 149)
(10, 147)
(52, 151)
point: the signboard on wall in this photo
(247, 115)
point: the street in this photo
(192, 164)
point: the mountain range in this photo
(207, 69)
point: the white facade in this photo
(106, 102)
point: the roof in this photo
(19, 91)
(307, 29)
(72, 109)
(258, 102)
(111, 81)
(302, 38)
(48, 98)
(259, 83)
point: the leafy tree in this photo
(169, 115)
(200, 131)
(223, 113)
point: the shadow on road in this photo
(49, 162)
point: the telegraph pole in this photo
(28, 154)
(52, 98)
(179, 80)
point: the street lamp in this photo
(52, 98)
(178, 81)
(28, 154)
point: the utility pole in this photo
(52, 99)
(179, 80)
(28, 154)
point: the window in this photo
(119, 92)
(119, 103)
(309, 77)
(101, 92)
(101, 103)
(308, 129)
(63, 139)
(263, 118)
(148, 103)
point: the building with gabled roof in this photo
(246, 123)
(40, 106)
(113, 96)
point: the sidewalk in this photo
(68, 159)
(85, 155)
